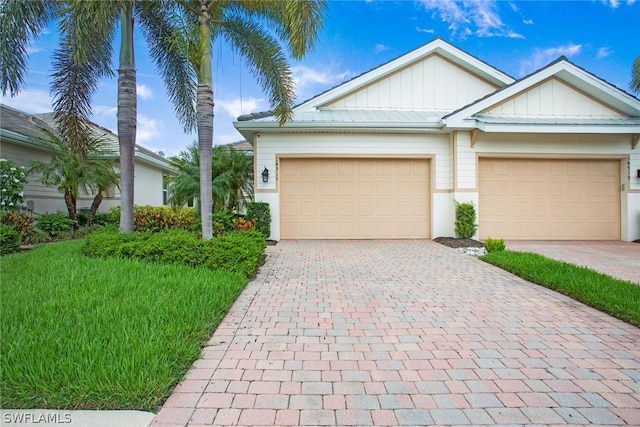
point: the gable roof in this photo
(475, 114)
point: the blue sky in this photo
(517, 37)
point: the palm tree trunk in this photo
(71, 203)
(95, 205)
(127, 118)
(204, 109)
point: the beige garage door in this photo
(354, 198)
(549, 199)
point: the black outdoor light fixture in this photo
(265, 175)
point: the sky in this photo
(516, 37)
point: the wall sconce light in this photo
(265, 175)
(638, 172)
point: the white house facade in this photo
(551, 156)
(21, 141)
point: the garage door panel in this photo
(355, 198)
(549, 199)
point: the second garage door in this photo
(549, 199)
(354, 198)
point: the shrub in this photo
(261, 211)
(21, 222)
(55, 224)
(237, 251)
(9, 240)
(494, 245)
(13, 178)
(241, 224)
(158, 218)
(225, 219)
(465, 219)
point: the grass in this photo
(81, 333)
(616, 297)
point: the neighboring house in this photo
(553, 155)
(21, 140)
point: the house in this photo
(22, 140)
(553, 155)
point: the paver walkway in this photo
(615, 258)
(406, 333)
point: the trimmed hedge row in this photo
(237, 251)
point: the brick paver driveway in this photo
(406, 333)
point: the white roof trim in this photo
(562, 69)
(438, 46)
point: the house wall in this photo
(147, 191)
(271, 146)
(554, 146)
(433, 83)
(553, 98)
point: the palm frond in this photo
(266, 61)
(173, 63)
(635, 75)
(20, 21)
(84, 56)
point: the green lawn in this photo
(616, 297)
(82, 333)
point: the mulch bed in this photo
(453, 242)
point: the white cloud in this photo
(239, 106)
(527, 21)
(425, 30)
(613, 3)
(105, 111)
(542, 57)
(603, 52)
(148, 129)
(306, 77)
(380, 48)
(144, 92)
(30, 100)
(468, 17)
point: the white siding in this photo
(272, 145)
(433, 84)
(552, 98)
(148, 185)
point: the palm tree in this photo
(235, 176)
(69, 172)
(87, 31)
(635, 75)
(242, 25)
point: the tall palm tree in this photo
(635, 75)
(247, 26)
(87, 31)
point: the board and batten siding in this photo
(552, 98)
(271, 146)
(433, 83)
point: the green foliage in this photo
(55, 224)
(95, 333)
(617, 297)
(239, 251)
(224, 218)
(12, 181)
(494, 245)
(158, 218)
(465, 219)
(9, 240)
(261, 211)
(22, 223)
